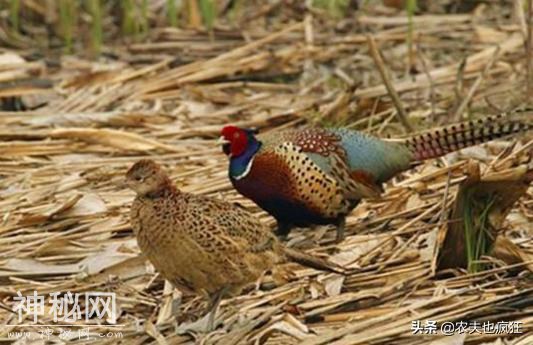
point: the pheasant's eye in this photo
(226, 148)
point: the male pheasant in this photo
(317, 176)
(209, 245)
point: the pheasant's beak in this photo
(222, 141)
(124, 184)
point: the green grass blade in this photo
(95, 10)
(128, 24)
(335, 8)
(477, 234)
(14, 14)
(143, 25)
(172, 14)
(67, 15)
(208, 10)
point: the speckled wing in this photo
(231, 238)
(236, 222)
(324, 149)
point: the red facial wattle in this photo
(237, 140)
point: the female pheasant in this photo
(209, 245)
(317, 175)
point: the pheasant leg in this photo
(212, 308)
(340, 229)
(283, 230)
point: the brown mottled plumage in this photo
(212, 246)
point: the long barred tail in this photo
(438, 142)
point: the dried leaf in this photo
(486, 34)
(45, 215)
(172, 298)
(333, 284)
(31, 267)
(110, 137)
(154, 333)
(511, 253)
(110, 255)
(10, 58)
(89, 203)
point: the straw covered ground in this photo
(71, 126)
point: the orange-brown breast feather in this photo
(271, 178)
(286, 172)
